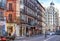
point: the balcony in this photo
(43, 19)
(10, 10)
(40, 23)
(26, 12)
(39, 13)
(39, 18)
(29, 5)
(32, 23)
(23, 19)
(23, 11)
(9, 21)
(32, 14)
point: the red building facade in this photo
(10, 15)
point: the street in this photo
(35, 38)
(53, 38)
(41, 38)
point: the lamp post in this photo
(45, 31)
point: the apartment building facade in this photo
(29, 15)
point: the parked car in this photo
(57, 32)
(50, 33)
(12, 37)
(3, 38)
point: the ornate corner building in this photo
(52, 17)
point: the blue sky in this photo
(46, 3)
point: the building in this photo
(10, 15)
(59, 24)
(52, 17)
(2, 18)
(41, 15)
(30, 17)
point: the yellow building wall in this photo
(13, 27)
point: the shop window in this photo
(26, 30)
(10, 29)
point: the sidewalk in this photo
(32, 37)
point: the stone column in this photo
(17, 30)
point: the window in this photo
(23, 17)
(1, 16)
(29, 21)
(10, 17)
(2, 4)
(34, 22)
(10, 6)
(21, 2)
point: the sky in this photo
(46, 3)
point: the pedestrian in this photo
(45, 35)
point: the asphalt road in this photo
(53, 38)
(39, 38)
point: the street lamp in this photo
(45, 31)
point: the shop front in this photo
(10, 28)
(36, 30)
(21, 30)
(31, 31)
(24, 30)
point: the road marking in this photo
(49, 38)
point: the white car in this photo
(52, 33)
